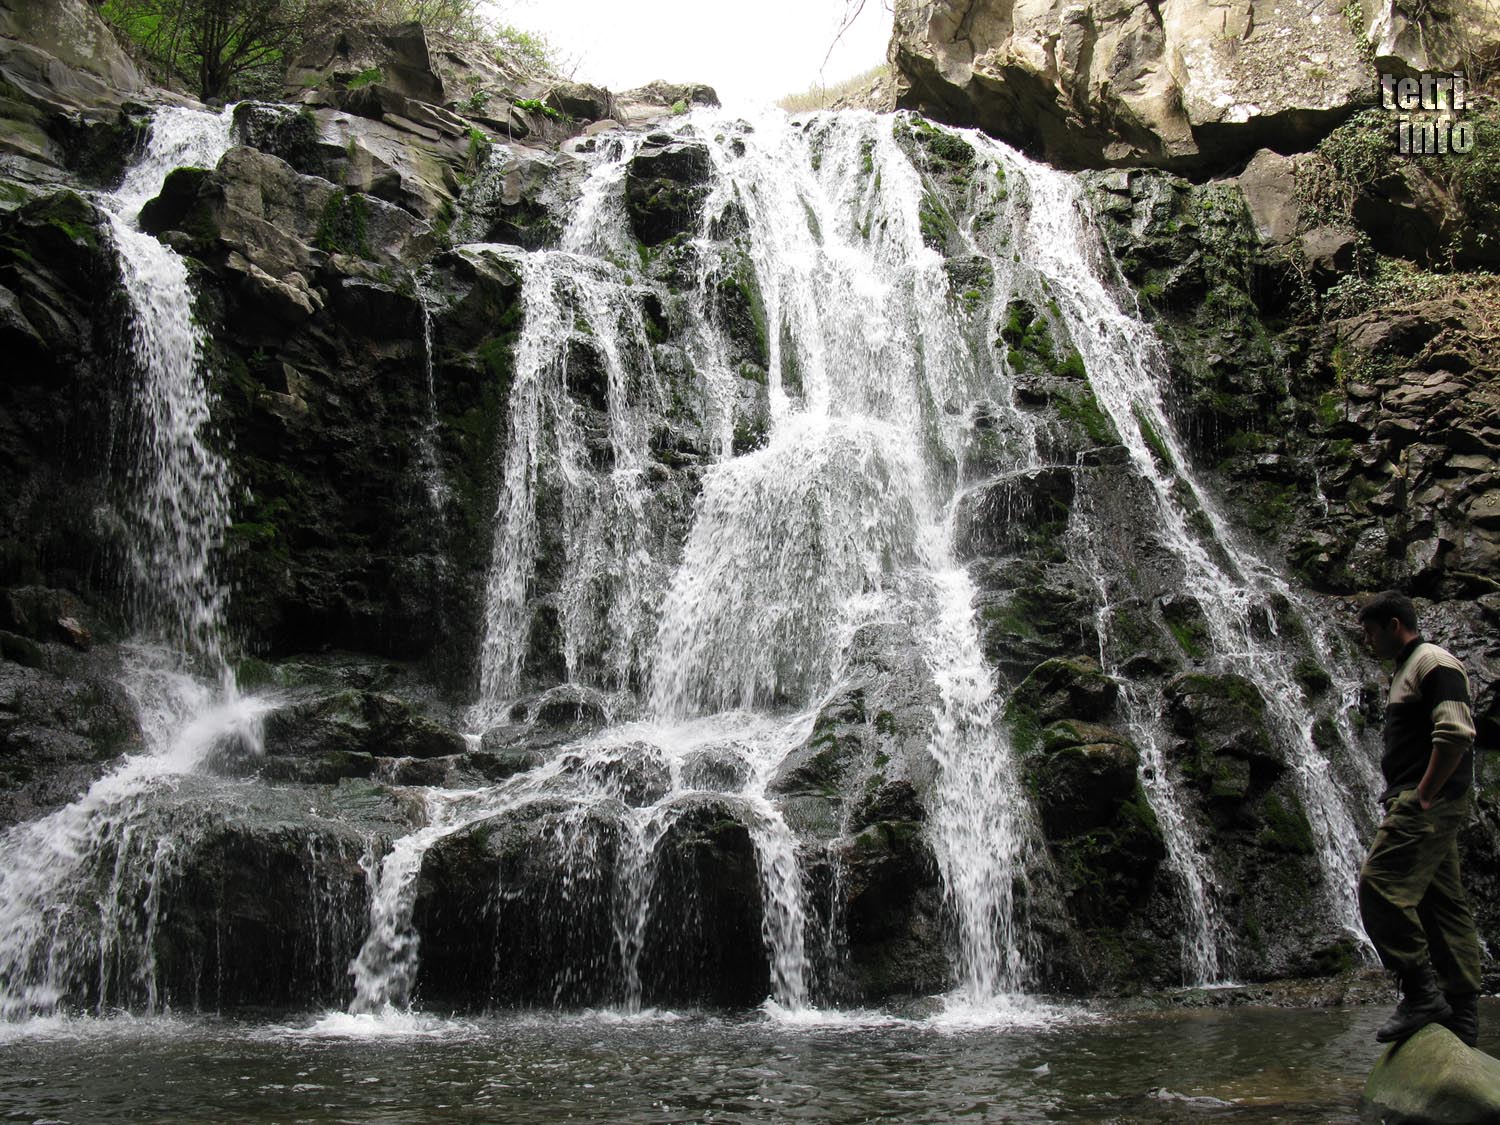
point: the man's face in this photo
(1382, 638)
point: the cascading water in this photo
(79, 889)
(1125, 366)
(731, 623)
(1205, 945)
(179, 485)
(841, 517)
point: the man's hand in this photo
(1440, 768)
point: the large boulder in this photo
(1192, 86)
(1433, 1079)
(665, 188)
(64, 55)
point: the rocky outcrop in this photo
(66, 95)
(1432, 1078)
(1193, 87)
(546, 886)
(64, 717)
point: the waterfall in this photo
(1126, 367)
(711, 609)
(427, 437)
(80, 888)
(179, 485)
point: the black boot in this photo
(1421, 1004)
(1464, 1022)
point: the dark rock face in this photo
(263, 915)
(363, 359)
(665, 189)
(62, 722)
(58, 310)
(540, 889)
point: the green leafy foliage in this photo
(536, 105)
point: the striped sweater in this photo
(1428, 708)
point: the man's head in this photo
(1389, 620)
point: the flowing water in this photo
(178, 484)
(1243, 1065)
(841, 515)
(80, 888)
(1235, 590)
(716, 622)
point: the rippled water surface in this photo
(1254, 1065)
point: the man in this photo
(1410, 895)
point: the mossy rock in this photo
(1433, 1079)
(1066, 688)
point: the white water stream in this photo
(731, 634)
(79, 889)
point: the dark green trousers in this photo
(1410, 896)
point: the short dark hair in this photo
(1386, 605)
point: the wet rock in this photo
(636, 775)
(517, 909)
(1081, 777)
(1028, 611)
(265, 901)
(1020, 512)
(258, 207)
(703, 941)
(821, 765)
(521, 197)
(1432, 1078)
(892, 912)
(571, 706)
(665, 187)
(356, 723)
(42, 614)
(1066, 688)
(59, 730)
(718, 768)
(1223, 720)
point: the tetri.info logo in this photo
(1427, 108)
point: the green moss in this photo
(536, 105)
(1190, 636)
(343, 228)
(1330, 408)
(365, 78)
(1082, 408)
(1269, 507)
(1314, 679)
(1071, 365)
(1152, 437)
(936, 222)
(1284, 829)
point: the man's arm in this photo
(1440, 768)
(1446, 690)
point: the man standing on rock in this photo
(1410, 895)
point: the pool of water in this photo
(1236, 1065)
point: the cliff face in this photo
(1192, 87)
(367, 259)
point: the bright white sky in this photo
(754, 51)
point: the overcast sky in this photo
(757, 51)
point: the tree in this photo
(217, 44)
